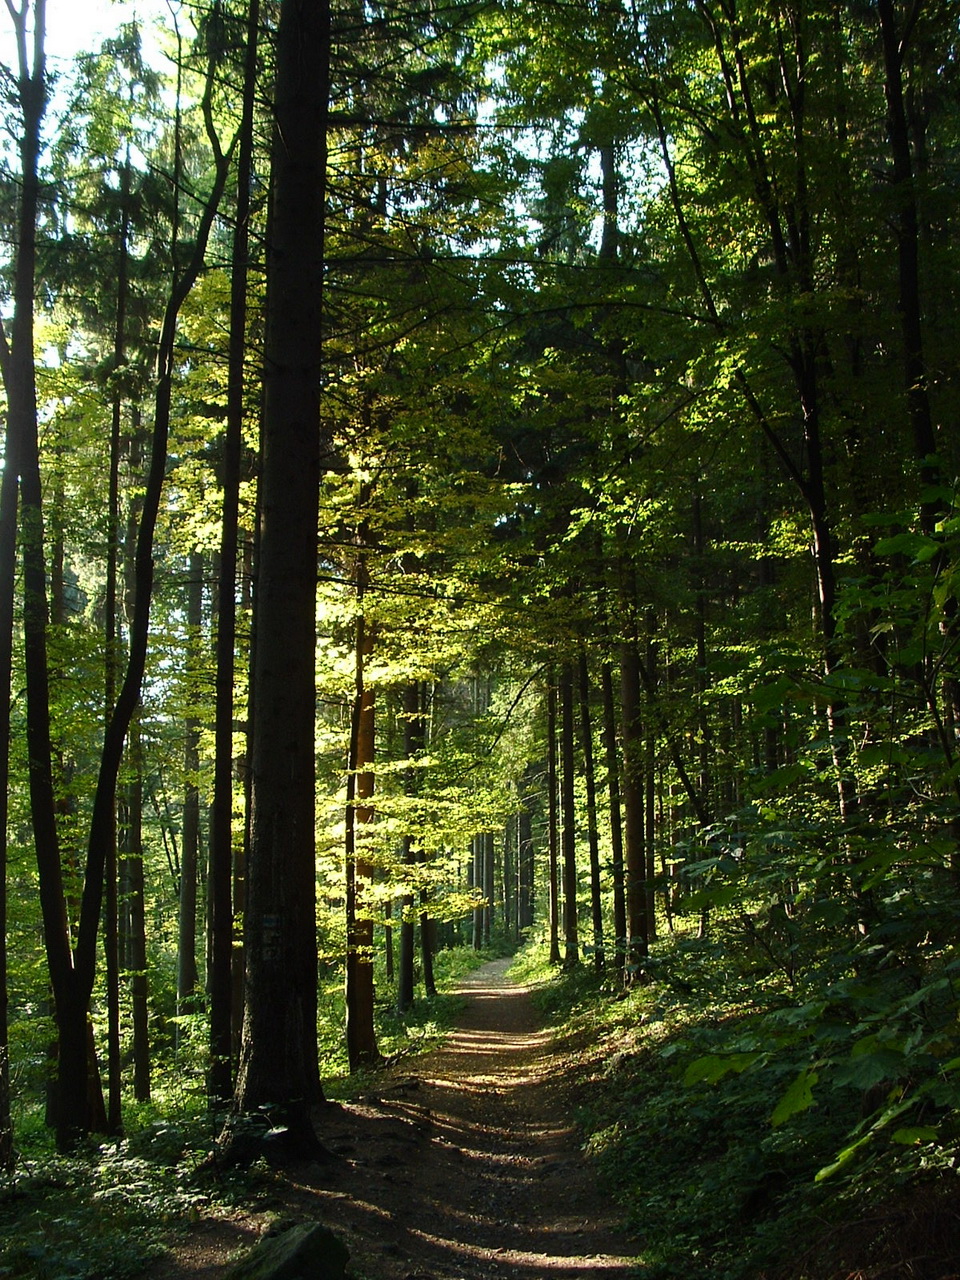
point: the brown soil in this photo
(466, 1168)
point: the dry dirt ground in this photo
(463, 1165)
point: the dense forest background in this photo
(493, 478)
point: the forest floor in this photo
(463, 1164)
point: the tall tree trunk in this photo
(553, 823)
(634, 856)
(278, 1058)
(220, 976)
(593, 840)
(361, 1034)
(571, 940)
(427, 947)
(525, 856)
(895, 41)
(616, 818)
(509, 883)
(187, 972)
(112, 664)
(134, 915)
(476, 883)
(414, 738)
(8, 565)
(489, 884)
(72, 1114)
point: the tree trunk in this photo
(634, 857)
(134, 915)
(220, 977)
(894, 43)
(72, 1114)
(525, 857)
(571, 941)
(414, 738)
(187, 974)
(361, 1034)
(616, 818)
(278, 1059)
(427, 930)
(489, 884)
(476, 883)
(593, 840)
(553, 823)
(8, 566)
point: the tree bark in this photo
(187, 972)
(616, 816)
(361, 1034)
(593, 840)
(571, 940)
(634, 858)
(278, 1058)
(8, 565)
(220, 982)
(553, 823)
(414, 737)
(134, 914)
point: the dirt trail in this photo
(465, 1168)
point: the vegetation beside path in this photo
(688, 1097)
(752, 1135)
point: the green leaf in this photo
(715, 1066)
(843, 1159)
(799, 1097)
(868, 1068)
(916, 545)
(910, 1135)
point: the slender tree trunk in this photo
(8, 565)
(135, 948)
(525, 858)
(593, 840)
(571, 949)
(553, 823)
(616, 819)
(414, 738)
(489, 885)
(187, 973)
(112, 664)
(361, 1035)
(477, 882)
(220, 977)
(509, 883)
(634, 857)
(895, 42)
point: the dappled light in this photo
(470, 1169)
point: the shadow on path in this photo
(470, 1169)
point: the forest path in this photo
(466, 1167)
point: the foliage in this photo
(103, 1213)
(731, 1122)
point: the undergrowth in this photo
(739, 1119)
(105, 1212)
